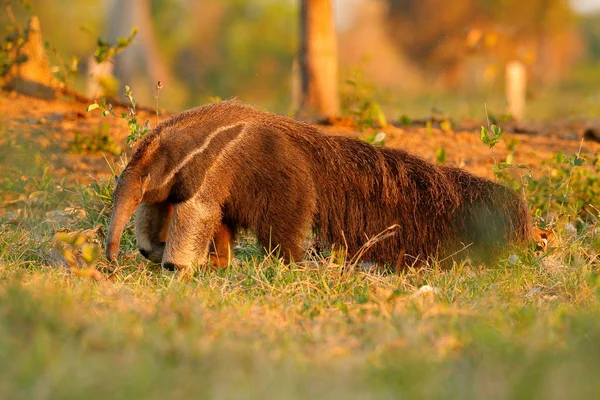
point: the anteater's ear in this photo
(145, 183)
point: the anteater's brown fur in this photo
(279, 178)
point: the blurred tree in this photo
(318, 58)
(443, 36)
(223, 48)
(144, 56)
(431, 33)
(241, 48)
(590, 28)
(384, 64)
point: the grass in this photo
(262, 330)
(525, 328)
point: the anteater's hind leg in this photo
(284, 241)
(152, 228)
(286, 230)
(193, 226)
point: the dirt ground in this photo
(49, 128)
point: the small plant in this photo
(428, 128)
(498, 119)
(78, 253)
(439, 116)
(10, 55)
(106, 51)
(157, 95)
(76, 249)
(376, 138)
(440, 155)
(106, 108)
(567, 193)
(109, 85)
(13, 38)
(136, 129)
(64, 71)
(212, 99)
(405, 120)
(447, 126)
(98, 142)
(491, 137)
(358, 101)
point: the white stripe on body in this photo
(197, 151)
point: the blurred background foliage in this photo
(418, 55)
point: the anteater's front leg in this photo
(192, 227)
(221, 251)
(152, 228)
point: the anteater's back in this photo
(362, 190)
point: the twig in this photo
(158, 87)
(456, 252)
(13, 20)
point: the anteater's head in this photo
(128, 194)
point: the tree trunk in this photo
(516, 88)
(144, 54)
(318, 59)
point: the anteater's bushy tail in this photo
(490, 216)
(362, 190)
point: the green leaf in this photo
(92, 107)
(497, 171)
(376, 109)
(405, 120)
(510, 158)
(440, 155)
(78, 239)
(497, 131)
(89, 252)
(484, 134)
(63, 237)
(577, 161)
(446, 126)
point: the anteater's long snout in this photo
(123, 210)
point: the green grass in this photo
(264, 330)
(526, 329)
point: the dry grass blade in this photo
(385, 234)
